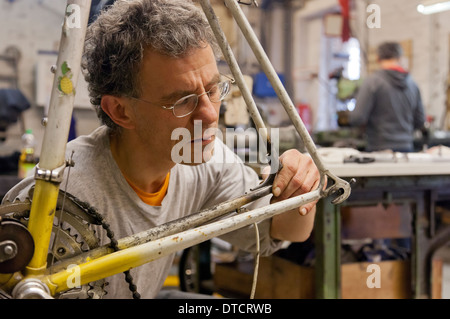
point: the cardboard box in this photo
(389, 279)
(440, 273)
(279, 278)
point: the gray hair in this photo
(116, 40)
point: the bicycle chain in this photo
(114, 244)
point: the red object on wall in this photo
(304, 110)
(345, 6)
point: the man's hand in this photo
(298, 175)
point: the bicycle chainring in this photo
(72, 234)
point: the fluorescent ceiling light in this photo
(430, 7)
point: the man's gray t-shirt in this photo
(96, 180)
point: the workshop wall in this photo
(33, 26)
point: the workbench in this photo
(420, 182)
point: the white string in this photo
(255, 273)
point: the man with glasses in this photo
(151, 70)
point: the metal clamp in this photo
(55, 175)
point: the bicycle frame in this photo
(39, 280)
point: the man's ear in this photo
(118, 110)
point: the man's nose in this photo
(206, 110)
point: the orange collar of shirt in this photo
(152, 199)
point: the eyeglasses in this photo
(186, 105)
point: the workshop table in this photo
(419, 183)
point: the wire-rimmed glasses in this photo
(187, 104)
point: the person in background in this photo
(389, 109)
(388, 104)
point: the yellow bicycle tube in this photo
(41, 222)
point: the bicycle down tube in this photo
(144, 247)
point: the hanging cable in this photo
(59, 212)
(255, 272)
